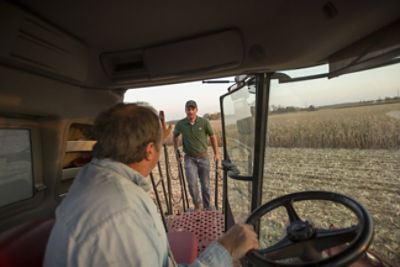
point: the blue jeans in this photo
(198, 168)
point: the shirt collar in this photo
(188, 122)
(123, 170)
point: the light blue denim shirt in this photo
(109, 219)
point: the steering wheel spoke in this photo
(288, 249)
(293, 217)
(325, 239)
(279, 250)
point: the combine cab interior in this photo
(63, 62)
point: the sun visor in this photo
(32, 44)
(217, 51)
(380, 48)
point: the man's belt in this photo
(200, 156)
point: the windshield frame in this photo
(262, 82)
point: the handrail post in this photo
(182, 177)
(169, 211)
(216, 184)
(158, 201)
(168, 178)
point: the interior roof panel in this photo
(289, 34)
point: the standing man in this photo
(194, 130)
(108, 217)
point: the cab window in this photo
(339, 135)
(16, 179)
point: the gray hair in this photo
(124, 131)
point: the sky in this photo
(172, 98)
(365, 85)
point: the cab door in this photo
(244, 122)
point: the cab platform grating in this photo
(207, 226)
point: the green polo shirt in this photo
(194, 137)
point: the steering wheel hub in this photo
(300, 230)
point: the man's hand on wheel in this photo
(239, 239)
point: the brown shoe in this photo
(197, 207)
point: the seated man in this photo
(108, 218)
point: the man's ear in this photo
(149, 153)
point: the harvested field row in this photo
(372, 177)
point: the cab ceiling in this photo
(274, 34)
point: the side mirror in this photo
(245, 126)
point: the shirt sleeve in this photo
(177, 129)
(209, 129)
(214, 255)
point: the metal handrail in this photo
(168, 196)
(158, 201)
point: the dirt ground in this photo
(371, 177)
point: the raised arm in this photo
(166, 130)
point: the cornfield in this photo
(365, 127)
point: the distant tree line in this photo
(212, 116)
(278, 109)
(273, 109)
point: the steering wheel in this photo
(305, 241)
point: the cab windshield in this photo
(339, 135)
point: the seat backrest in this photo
(25, 244)
(184, 246)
